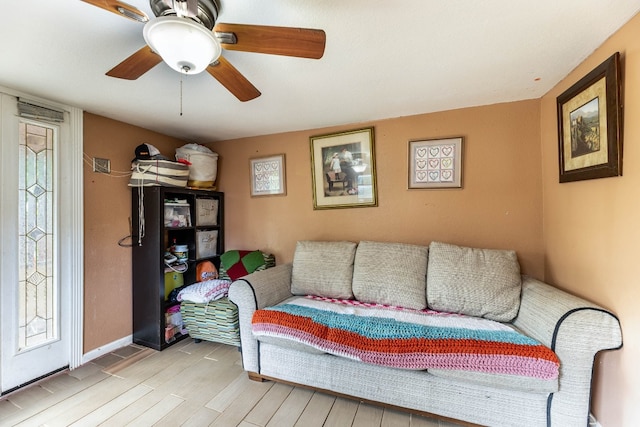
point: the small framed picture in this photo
(590, 125)
(268, 176)
(343, 169)
(435, 163)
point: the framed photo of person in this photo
(343, 169)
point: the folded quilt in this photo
(203, 292)
(405, 338)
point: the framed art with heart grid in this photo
(435, 163)
(268, 176)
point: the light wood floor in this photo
(187, 384)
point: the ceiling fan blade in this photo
(120, 8)
(298, 42)
(233, 80)
(135, 65)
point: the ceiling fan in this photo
(185, 35)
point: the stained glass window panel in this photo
(37, 298)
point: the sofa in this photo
(440, 330)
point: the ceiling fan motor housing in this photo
(207, 14)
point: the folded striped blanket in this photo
(404, 338)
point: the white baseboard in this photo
(107, 348)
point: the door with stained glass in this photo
(34, 309)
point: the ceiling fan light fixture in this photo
(183, 44)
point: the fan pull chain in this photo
(181, 94)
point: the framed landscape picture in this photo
(590, 125)
(343, 170)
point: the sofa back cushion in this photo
(391, 273)
(477, 282)
(323, 268)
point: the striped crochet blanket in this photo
(403, 338)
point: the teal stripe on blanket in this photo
(386, 328)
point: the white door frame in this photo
(71, 243)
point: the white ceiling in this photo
(382, 59)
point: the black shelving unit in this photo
(194, 230)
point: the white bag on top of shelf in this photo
(204, 164)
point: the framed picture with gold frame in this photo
(343, 168)
(268, 176)
(590, 125)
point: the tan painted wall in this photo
(592, 234)
(498, 207)
(107, 207)
(589, 233)
(589, 226)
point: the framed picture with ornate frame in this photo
(590, 125)
(344, 170)
(268, 176)
(435, 163)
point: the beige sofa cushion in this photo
(323, 268)
(391, 273)
(477, 282)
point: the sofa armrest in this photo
(256, 291)
(576, 330)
